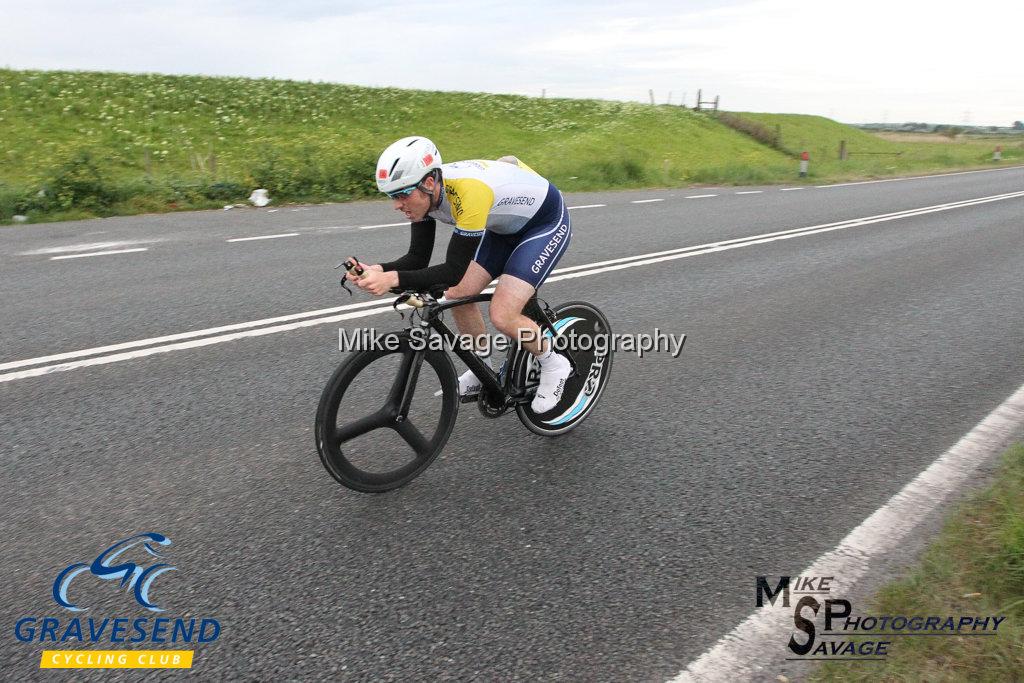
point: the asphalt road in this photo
(820, 374)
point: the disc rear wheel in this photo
(588, 330)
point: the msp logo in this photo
(136, 577)
(855, 638)
(125, 563)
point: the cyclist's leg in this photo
(529, 264)
(468, 319)
(510, 296)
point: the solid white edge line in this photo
(262, 237)
(559, 274)
(700, 196)
(645, 201)
(587, 206)
(920, 177)
(98, 253)
(182, 335)
(382, 225)
(760, 638)
(791, 231)
(84, 247)
(736, 244)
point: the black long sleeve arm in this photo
(413, 270)
(421, 245)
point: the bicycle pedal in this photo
(468, 398)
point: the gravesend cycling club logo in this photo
(131, 565)
(137, 578)
(855, 638)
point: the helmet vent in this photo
(393, 167)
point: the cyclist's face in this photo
(416, 205)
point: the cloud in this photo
(856, 61)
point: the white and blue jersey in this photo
(522, 216)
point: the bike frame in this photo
(431, 317)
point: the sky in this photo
(864, 61)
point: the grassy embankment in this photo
(878, 155)
(79, 144)
(974, 568)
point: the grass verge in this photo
(976, 568)
(80, 144)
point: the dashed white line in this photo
(263, 237)
(98, 253)
(373, 308)
(751, 192)
(789, 189)
(700, 196)
(645, 201)
(587, 206)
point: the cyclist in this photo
(520, 224)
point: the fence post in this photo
(716, 102)
(543, 93)
(697, 107)
(651, 93)
(842, 150)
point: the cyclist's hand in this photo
(359, 264)
(377, 282)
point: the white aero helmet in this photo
(405, 163)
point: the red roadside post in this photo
(998, 154)
(804, 159)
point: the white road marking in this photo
(760, 639)
(645, 201)
(559, 274)
(262, 237)
(98, 253)
(700, 196)
(922, 177)
(91, 246)
(789, 189)
(382, 225)
(751, 192)
(587, 206)
(183, 335)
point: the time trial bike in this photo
(389, 409)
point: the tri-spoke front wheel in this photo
(385, 415)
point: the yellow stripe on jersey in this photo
(471, 202)
(525, 167)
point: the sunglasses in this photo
(402, 193)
